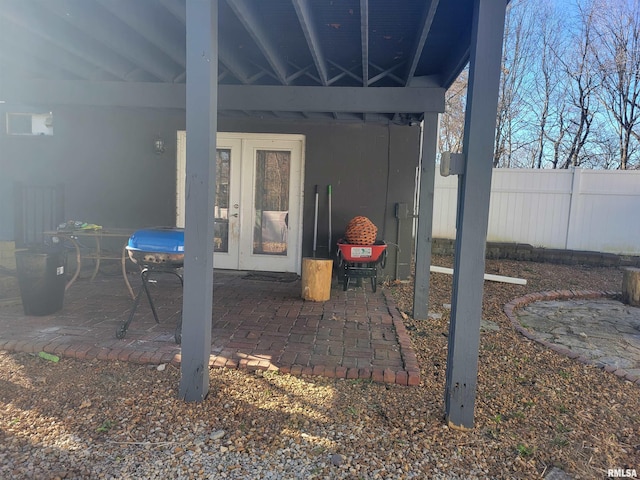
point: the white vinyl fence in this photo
(592, 210)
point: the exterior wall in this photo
(583, 210)
(356, 160)
(105, 159)
(112, 177)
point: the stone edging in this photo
(409, 358)
(527, 252)
(517, 303)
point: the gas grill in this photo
(155, 250)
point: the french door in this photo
(258, 206)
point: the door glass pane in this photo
(221, 208)
(271, 206)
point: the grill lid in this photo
(157, 240)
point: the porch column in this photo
(473, 212)
(425, 216)
(202, 106)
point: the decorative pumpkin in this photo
(361, 231)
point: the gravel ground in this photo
(535, 410)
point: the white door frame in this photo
(246, 144)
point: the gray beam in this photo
(425, 81)
(308, 25)
(202, 112)
(133, 94)
(332, 99)
(473, 212)
(232, 97)
(425, 216)
(247, 16)
(416, 52)
(364, 40)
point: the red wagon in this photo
(361, 261)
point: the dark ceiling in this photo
(331, 43)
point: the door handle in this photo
(234, 215)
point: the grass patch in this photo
(524, 451)
(560, 441)
(105, 427)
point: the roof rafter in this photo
(457, 61)
(364, 40)
(256, 77)
(264, 72)
(176, 9)
(344, 72)
(386, 73)
(23, 46)
(28, 17)
(134, 16)
(22, 64)
(136, 52)
(306, 19)
(429, 14)
(231, 61)
(300, 71)
(249, 19)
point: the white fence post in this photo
(574, 203)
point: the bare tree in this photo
(616, 49)
(548, 88)
(569, 90)
(452, 120)
(578, 68)
(512, 106)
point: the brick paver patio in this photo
(257, 324)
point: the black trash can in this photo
(41, 276)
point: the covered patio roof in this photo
(125, 47)
(347, 60)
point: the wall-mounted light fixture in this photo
(158, 145)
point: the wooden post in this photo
(316, 279)
(474, 188)
(202, 118)
(425, 216)
(631, 286)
